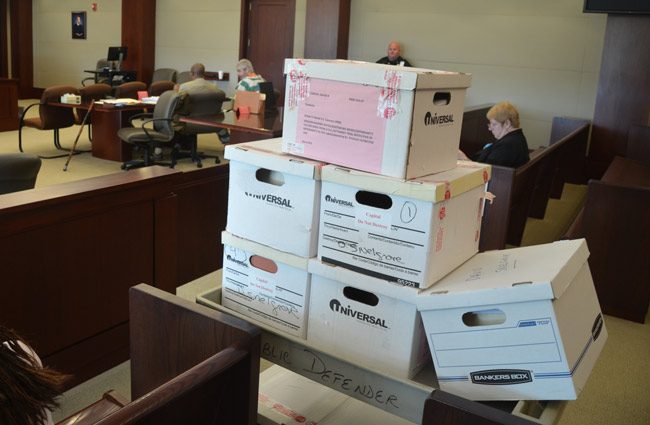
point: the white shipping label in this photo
(388, 244)
(276, 298)
(374, 220)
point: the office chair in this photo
(129, 90)
(90, 94)
(18, 171)
(164, 74)
(156, 130)
(159, 87)
(103, 75)
(195, 105)
(50, 117)
(183, 77)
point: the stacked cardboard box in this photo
(396, 213)
(272, 229)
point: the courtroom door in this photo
(267, 37)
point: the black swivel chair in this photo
(195, 105)
(18, 171)
(156, 130)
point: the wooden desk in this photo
(244, 128)
(106, 121)
(8, 104)
(127, 75)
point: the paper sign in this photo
(337, 117)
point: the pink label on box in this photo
(338, 123)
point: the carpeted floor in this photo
(618, 391)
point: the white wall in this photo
(58, 59)
(206, 31)
(544, 56)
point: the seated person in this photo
(248, 79)
(28, 391)
(197, 84)
(510, 148)
(394, 58)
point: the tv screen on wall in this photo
(617, 6)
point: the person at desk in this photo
(510, 148)
(393, 55)
(198, 84)
(248, 79)
(28, 391)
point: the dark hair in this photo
(26, 388)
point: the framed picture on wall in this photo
(79, 25)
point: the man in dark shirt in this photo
(394, 58)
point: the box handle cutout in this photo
(442, 98)
(372, 199)
(360, 296)
(269, 176)
(493, 316)
(264, 264)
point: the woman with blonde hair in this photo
(248, 79)
(28, 391)
(510, 148)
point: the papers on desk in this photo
(151, 100)
(118, 102)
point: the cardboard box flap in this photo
(268, 154)
(512, 275)
(360, 281)
(434, 188)
(264, 251)
(358, 72)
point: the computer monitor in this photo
(117, 54)
(267, 88)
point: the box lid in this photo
(402, 78)
(511, 275)
(433, 188)
(229, 239)
(360, 281)
(268, 154)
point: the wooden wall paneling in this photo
(69, 253)
(638, 144)
(623, 97)
(327, 29)
(8, 104)
(202, 209)
(4, 51)
(139, 35)
(22, 52)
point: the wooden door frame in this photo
(243, 27)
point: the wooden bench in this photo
(189, 364)
(474, 133)
(524, 191)
(616, 224)
(69, 252)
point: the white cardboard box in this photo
(366, 320)
(273, 197)
(288, 398)
(278, 296)
(395, 121)
(409, 232)
(516, 324)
